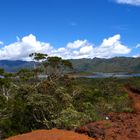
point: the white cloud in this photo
(111, 47)
(138, 46)
(136, 56)
(21, 49)
(137, 49)
(76, 44)
(110, 41)
(79, 49)
(86, 49)
(130, 2)
(1, 43)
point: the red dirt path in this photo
(135, 97)
(53, 134)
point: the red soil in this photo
(123, 126)
(120, 126)
(135, 97)
(53, 134)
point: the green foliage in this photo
(106, 95)
(4, 82)
(134, 84)
(25, 74)
(38, 56)
(128, 110)
(69, 119)
(59, 102)
(1, 71)
(55, 66)
(63, 103)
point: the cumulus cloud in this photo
(130, 2)
(86, 49)
(21, 49)
(76, 44)
(111, 47)
(79, 49)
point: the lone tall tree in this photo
(38, 58)
(55, 66)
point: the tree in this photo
(66, 64)
(4, 87)
(38, 56)
(55, 66)
(25, 74)
(2, 71)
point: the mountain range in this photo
(116, 64)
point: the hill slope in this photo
(116, 64)
(12, 66)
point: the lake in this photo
(109, 75)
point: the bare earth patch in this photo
(53, 134)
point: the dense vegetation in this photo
(116, 64)
(28, 102)
(134, 84)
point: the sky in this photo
(71, 29)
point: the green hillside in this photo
(116, 64)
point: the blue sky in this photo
(69, 28)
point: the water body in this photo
(114, 75)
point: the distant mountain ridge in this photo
(15, 65)
(116, 64)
